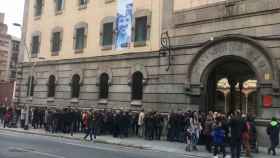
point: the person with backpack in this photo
(218, 137)
(273, 131)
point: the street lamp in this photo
(30, 84)
(30, 80)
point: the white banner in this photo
(124, 23)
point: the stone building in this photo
(4, 49)
(190, 46)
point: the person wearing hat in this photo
(273, 131)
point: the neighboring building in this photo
(14, 58)
(73, 32)
(6, 93)
(4, 49)
(57, 27)
(209, 40)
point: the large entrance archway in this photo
(228, 82)
(236, 59)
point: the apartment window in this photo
(137, 86)
(56, 42)
(59, 5)
(80, 36)
(30, 86)
(107, 35)
(82, 3)
(38, 7)
(16, 46)
(13, 75)
(51, 86)
(141, 29)
(104, 86)
(75, 86)
(35, 45)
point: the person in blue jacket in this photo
(218, 137)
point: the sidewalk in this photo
(154, 145)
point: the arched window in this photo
(104, 86)
(51, 86)
(75, 86)
(30, 86)
(137, 86)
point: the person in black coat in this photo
(273, 130)
(237, 126)
(116, 127)
(126, 124)
(158, 125)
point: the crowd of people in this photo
(8, 116)
(217, 131)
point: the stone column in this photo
(240, 94)
(232, 84)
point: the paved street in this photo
(15, 145)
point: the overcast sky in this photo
(13, 10)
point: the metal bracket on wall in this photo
(166, 48)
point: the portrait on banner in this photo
(124, 23)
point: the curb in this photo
(101, 142)
(72, 138)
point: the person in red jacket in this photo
(85, 120)
(246, 137)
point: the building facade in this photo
(4, 49)
(14, 58)
(186, 48)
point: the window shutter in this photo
(133, 29)
(101, 35)
(51, 41)
(60, 39)
(31, 47)
(85, 39)
(149, 25)
(114, 35)
(35, 8)
(62, 5)
(39, 43)
(74, 39)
